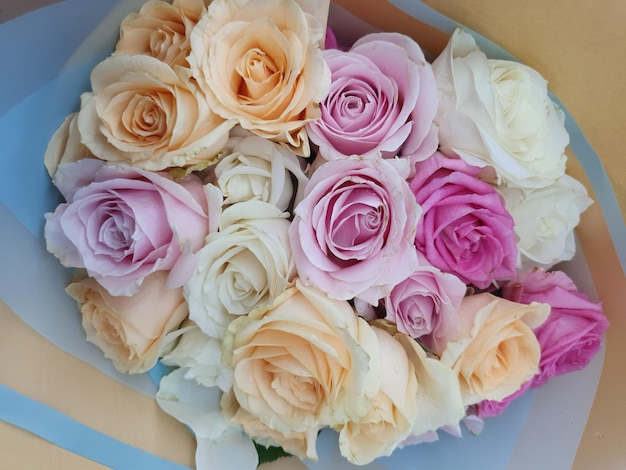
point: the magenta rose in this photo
(425, 305)
(121, 223)
(573, 332)
(465, 229)
(352, 234)
(382, 99)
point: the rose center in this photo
(260, 74)
(357, 222)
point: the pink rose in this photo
(465, 229)
(383, 98)
(352, 234)
(122, 223)
(330, 40)
(425, 305)
(572, 335)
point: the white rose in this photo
(244, 265)
(254, 168)
(545, 219)
(199, 356)
(219, 444)
(497, 113)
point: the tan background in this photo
(578, 46)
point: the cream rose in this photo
(144, 113)
(545, 219)
(199, 356)
(244, 265)
(160, 30)
(65, 146)
(497, 113)
(305, 362)
(260, 62)
(130, 331)
(417, 394)
(253, 168)
(496, 351)
(390, 419)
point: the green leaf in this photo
(269, 454)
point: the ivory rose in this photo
(253, 168)
(122, 223)
(65, 146)
(161, 30)
(198, 356)
(246, 264)
(496, 351)
(465, 229)
(144, 113)
(218, 443)
(352, 234)
(573, 333)
(260, 63)
(382, 99)
(545, 219)
(129, 330)
(305, 362)
(417, 394)
(497, 114)
(394, 408)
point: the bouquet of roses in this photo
(318, 236)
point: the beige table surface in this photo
(578, 46)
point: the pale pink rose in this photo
(573, 333)
(122, 224)
(260, 63)
(161, 30)
(330, 40)
(65, 146)
(352, 234)
(144, 113)
(495, 351)
(304, 362)
(382, 99)
(465, 229)
(130, 330)
(425, 305)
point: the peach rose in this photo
(160, 30)
(305, 362)
(417, 394)
(130, 330)
(496, 351)
(302, 444)
(65, 146)
(260, 62)
(144, 113)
